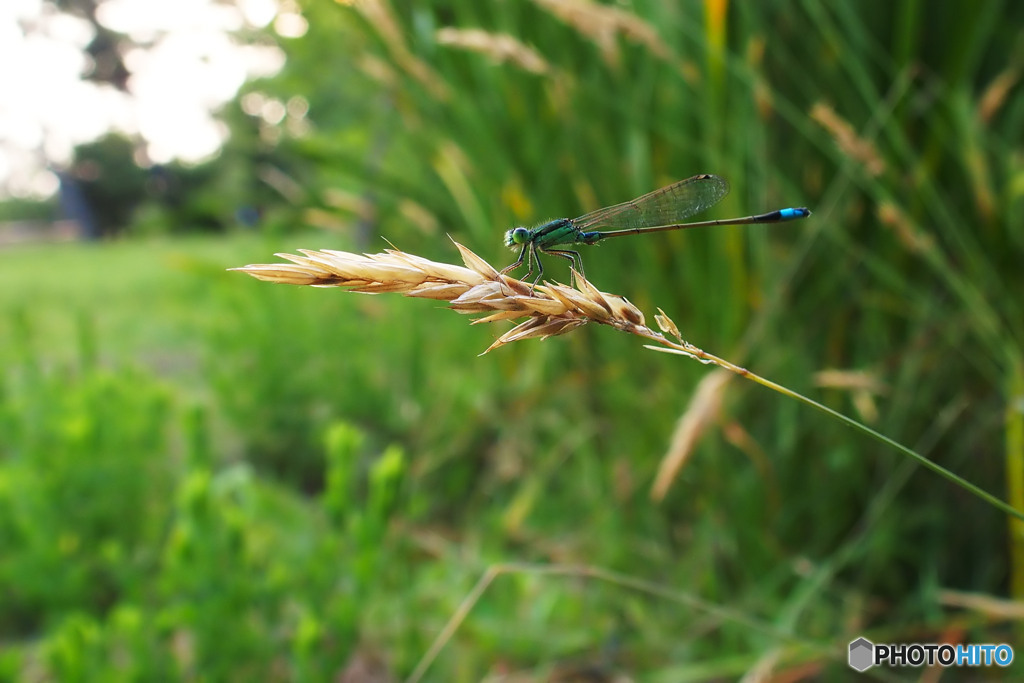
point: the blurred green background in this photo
(203, 477)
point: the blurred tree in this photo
(106, 50)
(111, 186)
(109, 183)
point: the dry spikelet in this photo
(996, 94)
(378, 70)
(477, 287)
(909, 234)
(851, 380)
(666, 325)
(418, 216)
(857, 148)
(863, 388)
(379, 15)
(602, 24)
(991, 607)
(703, 410)
(500, 47)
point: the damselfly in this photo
(657, 211)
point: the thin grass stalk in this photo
(983, 608)
(600, 574)
(1015, 478)
(687, 349)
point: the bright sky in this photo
(192, 67)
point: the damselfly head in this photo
(517, 236)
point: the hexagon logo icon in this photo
(862, 653)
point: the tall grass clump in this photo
(83, 488)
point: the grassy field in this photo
(204, 477)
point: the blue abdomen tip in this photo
(791, 214)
